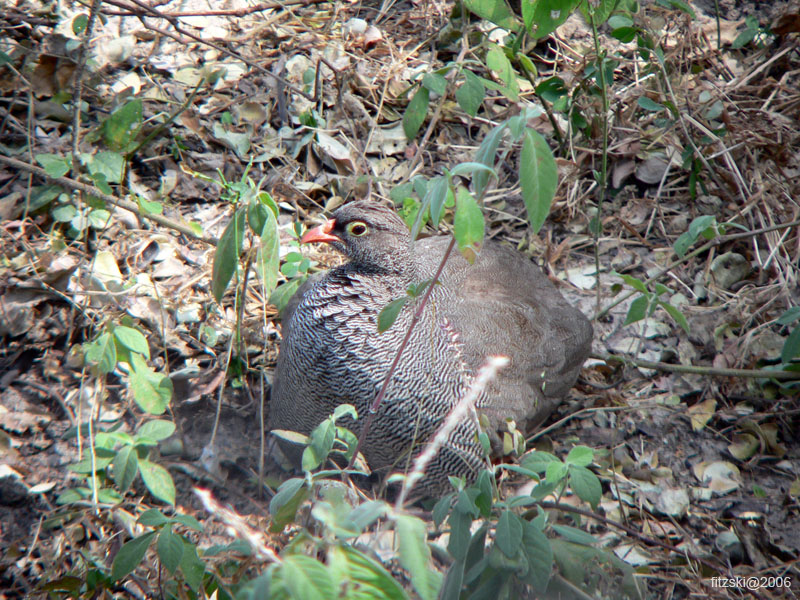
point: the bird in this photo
(332, 352)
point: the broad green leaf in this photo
(363, 577)
(126, 466)
(283, 293)
(99, 218)
(540, 556)
(156, 429)
(637, 310)
(130, 555)
(575, 535)
(435, 198)
(416, 111)
(542, 17)
(132, 339)
(122, 126)
(191, 566)
(790, 316)
(676, 314)
(158, 480)
(102, 352)
(149, 207)
(494, 11)
(486, 155)
(791, 347)
(468, 225)
(170, 549)
(320, 445)
(435, 83)
(268, 256)
(649, 105)
(415, 556)
(389, 313)
(307, 578)
(508, 533)
(555, 472)
(79, 23)
(187, 521)
(586, 484)
(111, 165)
(152, 517)
(64, 213)
(226, 257)
(466, 168)
(460, 535)
(471, 93)
(366, 513)
(600, 11)
(152, 391)
(498, 62)
(537, 461)
(580, 455)
(538, 177)
(283, 505)
(635, 283)
(552, 89)
(54, 164)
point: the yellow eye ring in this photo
(357, 228)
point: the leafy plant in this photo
(644, 305)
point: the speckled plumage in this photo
(332, 352)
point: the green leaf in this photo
(99, 218)
(54, 164)
(790, 316)
(676, 315)
(64, 213)
(415, 556)
(306, 578)
(555, 472)
(122, 126)
(126, 466)
(791, 347)
(283, 505)
(156, 430)
(466, 168)
(537, 461)
(191, 566)
(543, 17)
(283, 293)
(158, 480)
(170, 549)
(320, 445)
(363, 577)
(575, 535)
(468, 224)
(471, 93)
(649, 105)
(152, 391)
(152, 517)
(416, 111)
(109, 165)
(585, 484)
(187, 521)
(498, 62)
(538, 177)
(494, 11)
(226, 257)
(130, 555)
(435, 83)
(540, 556)
(436, 198)
(268, 256)
(79, 23)
(696, 227)
(102, 352)
(600, 11)
(552, 89)
(149, 207)
(581, 456)
(389, 313)
(132, 339)
(238, 142)
(460, 535)
(637, 310)
(635, 283)
(486, 155)
(508, 534)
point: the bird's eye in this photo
(357, 228)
